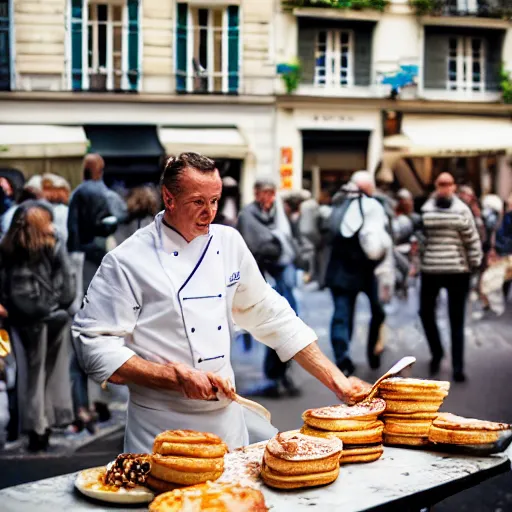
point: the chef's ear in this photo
(168, 198)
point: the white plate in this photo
(89, 483)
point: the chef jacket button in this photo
(175, 253)
(220, 327)
(193, 329)
(218, 252)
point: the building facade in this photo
(136, 80)
(404, 88)
(307, 90)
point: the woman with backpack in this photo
(36, 288)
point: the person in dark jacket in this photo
(37, 287)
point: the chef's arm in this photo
(314, 361)
(192, 383)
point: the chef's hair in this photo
(175, 166)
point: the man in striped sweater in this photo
(452, 250)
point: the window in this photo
(105, 45)
(467, 6)
(466, 64)
(334, 58)
(207, 49)
(5, 47)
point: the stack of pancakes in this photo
(411, 406)
(450, 429)
(357, 426)
(213, 496)
(293, 461)
(185, 457)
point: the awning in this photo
(41, 141)
(212, 142)
(124, 141)
(446, 136)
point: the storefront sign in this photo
(347, 120)
(286, 168)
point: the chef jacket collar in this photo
(175, 236)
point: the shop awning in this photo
(41, 141)
(124, 141)
(213, 142)
(446, 136)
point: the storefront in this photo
(474, 149)
(328, 146)
(135, 137)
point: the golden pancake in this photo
(279, 481)
(185, 436)
(211, 497)
(159, 486)
(188, 464)
(446, 436)
(352, 455)
(294, 446)
(410, 385)
(181, 478)
(431, 416)
(393, 439)
(407, 427)
(408, 407)
(452, 422)
(345, 417)
(369, 436)
(303, 467)
(422, 396)
(201, 450)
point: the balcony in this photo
(357, 9)
(463, 12)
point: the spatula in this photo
(404, 363)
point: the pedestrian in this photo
(142, 204)
(56, 190)
(227, 213)
(452, 250)
(91, 222)
(36, 289)
(503, 243)
(159, 314)
(359, 243)
(267, 232)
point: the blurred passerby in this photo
(360, 240)
(227, 214)
(143, 204)
(37, 287)
(28, 193)
(468, 196)
(452, 250)
(503, 244)
(56, 190)
(263, 228)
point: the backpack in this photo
(29, 292)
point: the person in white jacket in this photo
(159, 315)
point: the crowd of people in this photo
(360, 240)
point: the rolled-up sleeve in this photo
(106, 322)
(260, 310)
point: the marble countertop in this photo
(402, 477)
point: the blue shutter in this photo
(76, 45)
(181, 48)
(5, 50)
(233, 48)
(133, 45)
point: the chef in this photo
(159, 315)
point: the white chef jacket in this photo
(166, 300)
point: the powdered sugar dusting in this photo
(342, 411)
(297, 447)
(243, 466)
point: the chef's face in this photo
(193, 208)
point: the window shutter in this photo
(76, 45)
(5, 52)
(133, 45)
(306, 50)
(436, 61)
(494, 49)
(362, 57)
(181, 47)
(233, 48)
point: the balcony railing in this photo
(378, 5)
(499, 9)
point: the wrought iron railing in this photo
(501, 9)
(378, 5)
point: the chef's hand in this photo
(199, 385)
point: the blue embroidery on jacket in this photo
(235, 276)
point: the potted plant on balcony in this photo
(506, 85)
(98, 79)
(290, 74)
